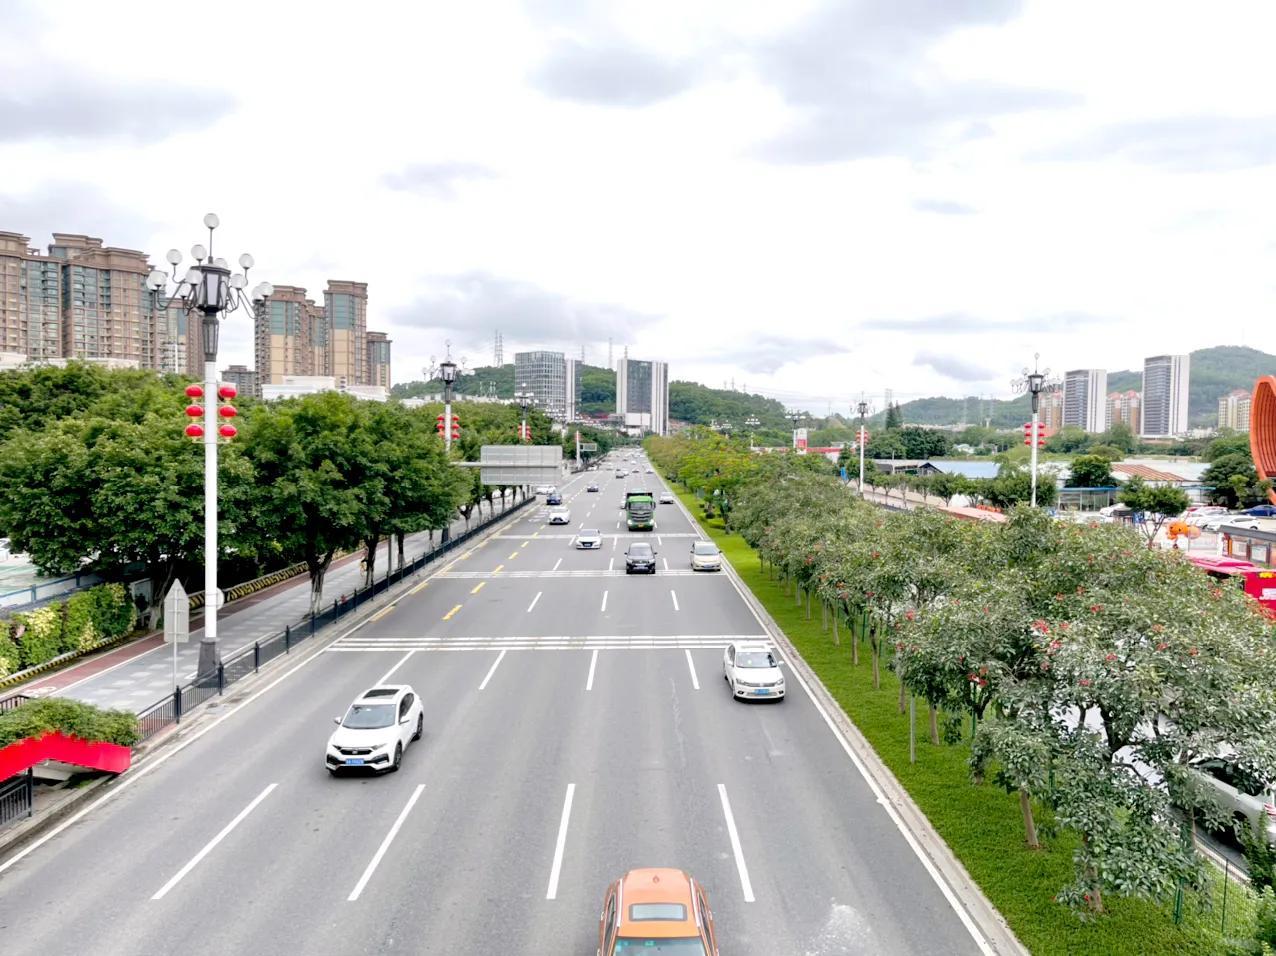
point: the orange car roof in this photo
(657, 885)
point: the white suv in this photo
(752, 671)
(376, 730)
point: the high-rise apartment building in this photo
(1050, 410)
(1125, 408)
(244, 379)
(377, 350)
(552, 380)
(1233, 410)
(346, 307)
(1165, 395)
(291, 336)
(84, 300)
(1084, 391)
(642, 395)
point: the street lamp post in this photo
(447, 371)
(862, 408)
(524, 399)
(751, 423)
(1034, 383)
(209, 289)
(795, 416)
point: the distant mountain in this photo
(1214, 373)
(702, 405)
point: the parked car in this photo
(1237, 520)
(640, 558)
(589, 539)
(705, 556)
(376, 730)
(666, 497)
(1249, 800)
(560, 516)
(752, 671)
(656, 910)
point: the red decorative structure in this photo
(1262, 430)
(227, 391)
(228, 431)
(195, 430)
(24, 754)
(194, 391)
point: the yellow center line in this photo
(418, 587)
(523, 545)
(478, 587)
(512, 556)
(382, 613)
(448, 615)
(497, 569)
(536, 534)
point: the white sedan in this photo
(752, 671)
(376, 730)
(589, 539)
(560, 516)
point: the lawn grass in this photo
(982, 823)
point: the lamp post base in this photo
(208, 661)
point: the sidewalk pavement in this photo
(138, 674)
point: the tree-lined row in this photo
(1091, 670)
(103, 475)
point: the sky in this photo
(813, 200)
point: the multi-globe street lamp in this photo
(209, 289)
(446, 372)
(1034, 383)
(751, 423)
(524, 399)
(795, 415)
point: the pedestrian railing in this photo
(12, 701)
(171, 708)
(16, 797)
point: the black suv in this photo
(640, 557)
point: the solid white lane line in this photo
(691, 666)
(593, 662)
(611, 564)
(552, 892)
(208, 847)
(534, 600)
(735, 844)
(402, 661)
(556, 564)
(385, 844)
(666, 561)
(603, 609)
(674, 595)
(497, 663)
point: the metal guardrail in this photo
(16, 795)
(170, 709)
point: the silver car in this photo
(1242, 796)
(705, 556)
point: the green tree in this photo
(1120, 437)
(1156, 503)
(1090, 471)
(1067, 440)
(1230, 444)
(1231, 480)
(894, 417)
(308, 496)
(1013, 485)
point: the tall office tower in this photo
(571, 394)
(1233, 410)
(346, 307)
(1165, 395)
(290, 336)
(1084, 390)
(378, 352)
(545, 375)
(498, 350)
(1125, 408)
(244, 379)
(1050, 409)
(642, 395)
(30, 300)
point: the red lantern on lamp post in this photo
(195, 430)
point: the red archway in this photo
(1262, 430)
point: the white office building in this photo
(642, 395)
(553, 380)
(1165, 395)
(1085, 399)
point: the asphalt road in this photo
(577, 725)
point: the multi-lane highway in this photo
(576, 725)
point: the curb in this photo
(998, 937)
(15, 836)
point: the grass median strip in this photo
(982, 824)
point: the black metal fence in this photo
(173, 707)
(15, 797)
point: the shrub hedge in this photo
(29, 638)
(37, 717)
